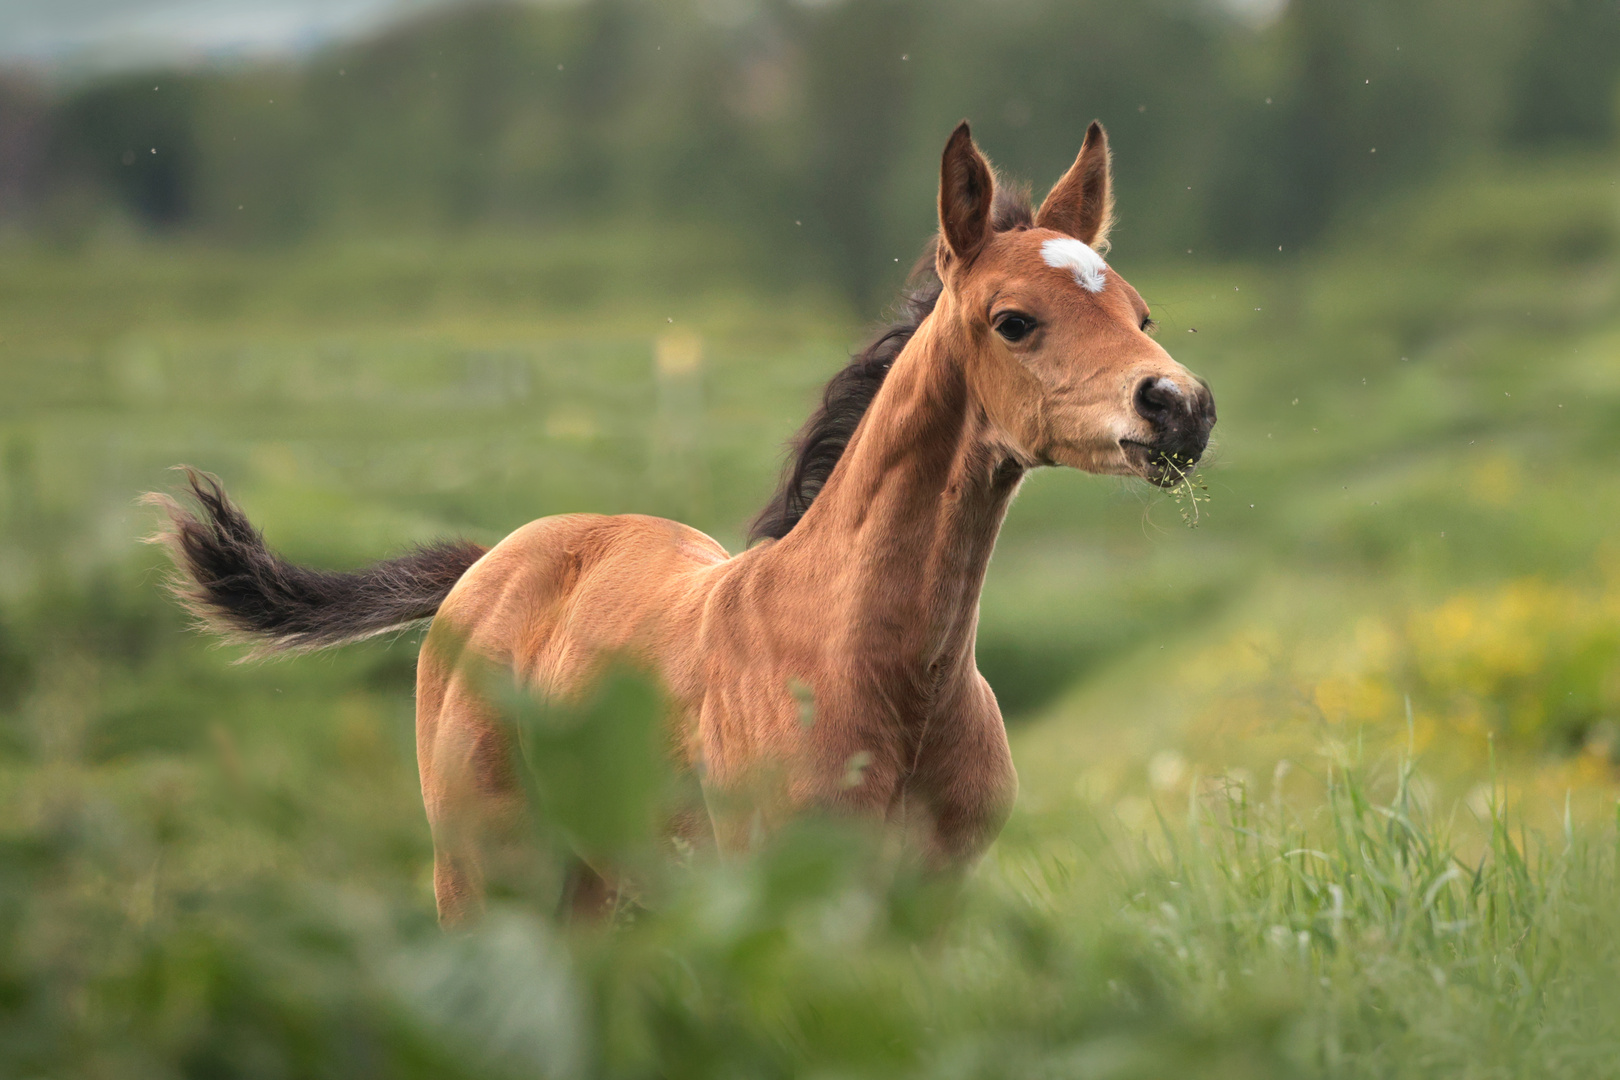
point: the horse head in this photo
(1059, 348)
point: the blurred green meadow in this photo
(1319, 775)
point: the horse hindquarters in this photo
(550, 603)
(474, 801)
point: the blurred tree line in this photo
(809, 129)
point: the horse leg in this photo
(458, 887)
(482, 843)
(475, 804)
(962, 789)
(479, 841)
(587, 896)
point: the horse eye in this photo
(1015, 327)
(1148, 325)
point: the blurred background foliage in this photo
(500, 261)
(808, 132)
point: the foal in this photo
(1024, 349)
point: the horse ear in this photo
(1082, 203)
(966, 191)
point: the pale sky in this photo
(86, 36)
(101, 34)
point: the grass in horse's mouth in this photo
(1178, 476)
(1186, 486)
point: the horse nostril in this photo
(1157, 400)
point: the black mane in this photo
(820, 443)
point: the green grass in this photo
(1346, 932)
(209, 869)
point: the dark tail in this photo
(240, 589)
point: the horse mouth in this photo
(1157, 465)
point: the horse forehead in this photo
(1078, 259)
(1071, 271)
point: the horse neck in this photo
(908, 519)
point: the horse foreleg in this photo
(963, 786)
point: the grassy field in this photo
(1224, 862)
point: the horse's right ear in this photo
(1081, 204)
(966, 191)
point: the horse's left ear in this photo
(967, 189)
(1082, 203)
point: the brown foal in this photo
(1026, 350)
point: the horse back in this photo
(562, 594)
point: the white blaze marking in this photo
(1068, 254)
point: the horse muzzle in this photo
(1181, 416)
